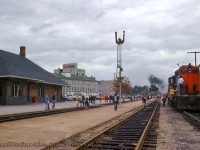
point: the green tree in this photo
(140, 90)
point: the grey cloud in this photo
(82, 31)
(40, 27)
(99, 15)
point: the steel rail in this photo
(143, 136)
(193, 117)
(110, 128)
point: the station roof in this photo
(16, 66)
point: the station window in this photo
(16, 90)
(41, 91)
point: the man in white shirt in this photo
(180, 85)
(180, 80)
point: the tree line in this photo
(156, 86)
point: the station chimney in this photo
(22, 51)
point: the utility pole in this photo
(195, 53)
(119, 43)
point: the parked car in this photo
(68, 98)
(64, 98)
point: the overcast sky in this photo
(159, 33)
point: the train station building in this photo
(24, 82)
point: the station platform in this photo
(14, 109)
(39, 132)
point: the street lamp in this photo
(119, 43)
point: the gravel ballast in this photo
(175, 132)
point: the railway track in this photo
(128, 135)
(193, 118)
(151, 137)
(128, 131)
(26, 115)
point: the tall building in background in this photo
(70, 70)
(106, 87)
(78, 81)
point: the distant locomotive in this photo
(189, 97)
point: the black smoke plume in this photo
(155, 82)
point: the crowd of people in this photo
(85, 101)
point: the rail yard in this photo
(131, 127)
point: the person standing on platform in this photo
(131, 99)
(106, 98)
(94, 99)
(47, 102)
(144, 102)
(78, 101)
(115, 101)
(110, 98)
(54, 100)
(83, 97)
(164, 100)
(86, 103)
(90, 99)
(100, 98)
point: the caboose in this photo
(189, 97)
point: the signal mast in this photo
(119, 68)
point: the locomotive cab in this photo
(190, 76)
(190, 97)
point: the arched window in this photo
(16, 89)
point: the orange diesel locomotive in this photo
(189, 97)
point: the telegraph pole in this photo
(119, 43)
(195, 53)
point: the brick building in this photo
(106, 87)
(21, 80)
